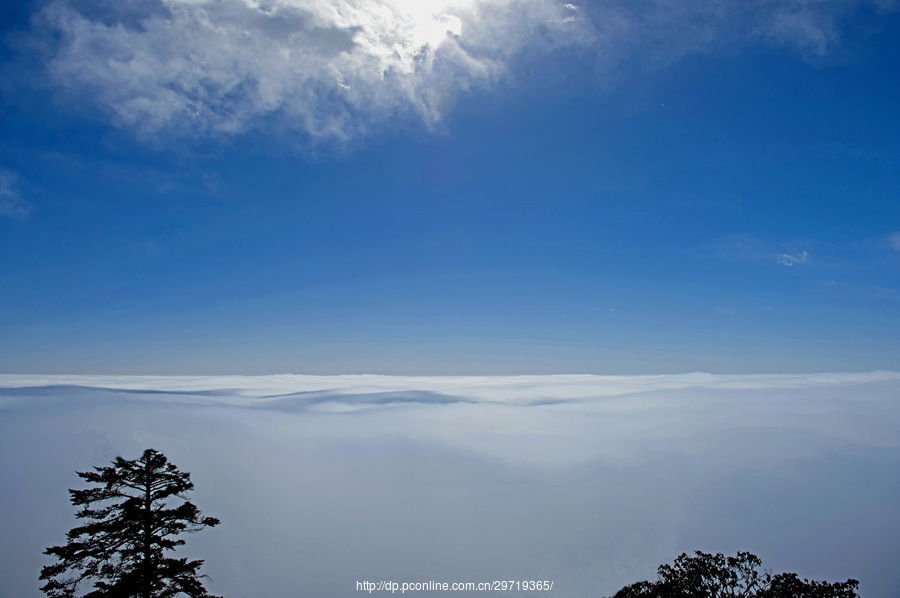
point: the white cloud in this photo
(11, 202)
(589, 480)
(328, 68)
(788, 259)
(741, 248)
(331, 69)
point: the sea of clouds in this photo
(590, 481)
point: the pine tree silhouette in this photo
(133, 516)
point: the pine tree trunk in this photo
(148, 520)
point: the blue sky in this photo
(466, 188)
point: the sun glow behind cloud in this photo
(427, 23)
(206, 67)
(332, 70)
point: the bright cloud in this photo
(591, 481)
(330, 69)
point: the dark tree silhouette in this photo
(717, 576)
(134, 516)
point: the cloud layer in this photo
(331, 69)
(590, 481)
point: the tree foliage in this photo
(134, 515)
(717, 576)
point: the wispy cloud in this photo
(802, 27)
(894, 241)
(331, 69)
(749, 248)
(741, 247)
(11, 202)
(788, 259)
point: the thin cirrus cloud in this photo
(749, 248)
(333, 69)
(793, 259)
(894, 241)
(11, 202)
